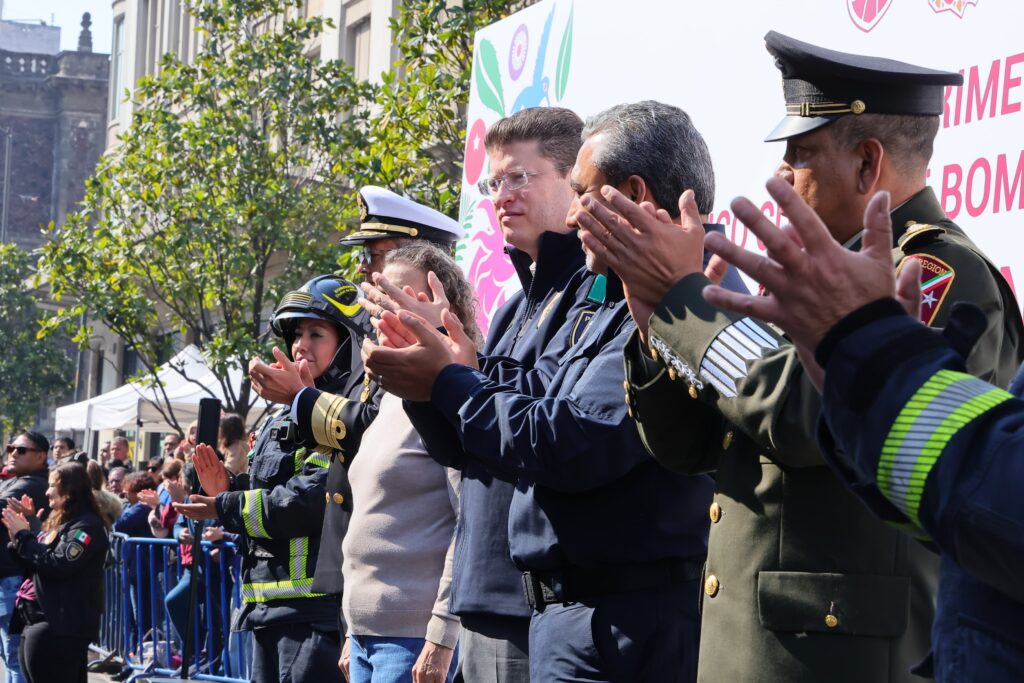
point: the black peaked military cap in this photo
(821, 85)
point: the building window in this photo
(117, 64)
(358, 41)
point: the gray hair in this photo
(659, 143)
(908, 140)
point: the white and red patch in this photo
(866, 14)
(936, 279)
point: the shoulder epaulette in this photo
(918, 234)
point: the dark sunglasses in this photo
(21, 450)
(153, 469)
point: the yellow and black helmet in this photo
(331, 298)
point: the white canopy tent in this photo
(185, 379)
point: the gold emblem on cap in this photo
(364, 210)
(858, 107)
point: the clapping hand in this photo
(26, 506)
(14, 521)
(282, 380)
(213, 475)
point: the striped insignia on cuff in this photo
(943, 406)
(327, 427)
(725, 361)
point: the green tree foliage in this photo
(225, 177)
(31, 370)
(239, 167)
(418, 129)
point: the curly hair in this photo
(71, 481)
(426, 258)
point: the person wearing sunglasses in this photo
(389, 221)
(26, 461)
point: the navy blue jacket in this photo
(587, 492)
(484, 580)
(939, 453)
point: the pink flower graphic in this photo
(957, 7)
(866, 14)
(491, 269)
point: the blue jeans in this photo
(9, 642)
(379, 659)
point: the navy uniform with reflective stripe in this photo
(936, 451)
(280, 517)
(335, 422)
(590, 505)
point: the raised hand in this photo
(384, 296)
(213, 475)
(281, 381)
(648, 252)
(409, 372)
(198, 507)
(810, 288)
(14, 521)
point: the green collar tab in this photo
(599, 290)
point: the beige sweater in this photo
(398, 548)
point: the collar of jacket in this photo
(923, 207)
(559, 255)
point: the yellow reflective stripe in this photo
(278, 590)
(328, 429)
(319, 460)
(252, 513)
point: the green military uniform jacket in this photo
(802, 582)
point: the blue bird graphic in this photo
(537, 92)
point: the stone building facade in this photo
(53, 121)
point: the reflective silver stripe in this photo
(727, 359)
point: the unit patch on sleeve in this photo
(936, 278)
(74, 551)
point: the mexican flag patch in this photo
(936, 277)
(81, 537)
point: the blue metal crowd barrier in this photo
(140, 626)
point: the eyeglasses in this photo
(366, 255)
(22, 450)
(513, 180)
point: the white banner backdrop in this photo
(709, 59)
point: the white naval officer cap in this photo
(382, 213)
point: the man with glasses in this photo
(389, 221)
(26, 460)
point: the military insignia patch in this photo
(82, 537)
(726, 360)
(580, 327)
(936, 278)
(74, 551)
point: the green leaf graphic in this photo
(564, 59)
(489, 78)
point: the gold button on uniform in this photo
(693, 391)
(327, 497)
(672, 374)
(338, 498)
(727, 441)
(711, 585)
(715, 512)
(831, 621)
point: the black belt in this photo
(574, 585)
